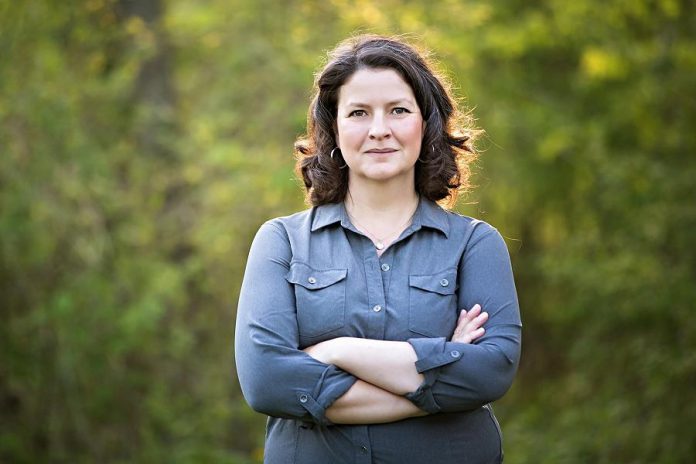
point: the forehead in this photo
(372, 86)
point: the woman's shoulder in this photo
(291, 234)
(292, 218)
(476, 225)
(474, 237)
(302, 221)
(463, 224)
(474, 232)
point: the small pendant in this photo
(379, 245)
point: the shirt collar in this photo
(328, 214)
(428, 214)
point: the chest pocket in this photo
(433, 303)
(320, 296)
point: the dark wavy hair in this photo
(443, 166)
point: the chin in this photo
(383, 174)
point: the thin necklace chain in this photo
(381, 243)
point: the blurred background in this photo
(142, 143)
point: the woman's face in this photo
(380, 127)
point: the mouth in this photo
(381, 150)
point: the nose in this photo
(379, 129)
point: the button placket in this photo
(385, 273)
(376, 299)
(361, 440)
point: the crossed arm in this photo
(350, 380)
(386, 371)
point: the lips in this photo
(381, 150)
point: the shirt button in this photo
(303, 398)
(376, 308)
(363, 449)
(444, 282)
(455, 353)
(385, 267)
(312, 280)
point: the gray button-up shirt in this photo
(313, 276)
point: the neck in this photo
(381, 211)
(387, 200)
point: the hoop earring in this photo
(345, 165)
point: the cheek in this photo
(412, 130)
(350, 133)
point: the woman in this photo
(349, 330)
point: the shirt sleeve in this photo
(460, 376)
(276, 377)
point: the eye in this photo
(357, 113)
(400, 110)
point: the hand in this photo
(469, 325)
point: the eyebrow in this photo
(389, 103)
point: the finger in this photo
(462, 316)
(470, 326)
(463, 319)
(475, 324)
(477, 333)
(474, 311)
(470, 321)
(481, 318)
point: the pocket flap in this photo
(314, 279)
(444, 283)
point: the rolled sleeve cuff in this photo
(332, 385)
(432, 354)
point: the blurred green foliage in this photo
(143, 142)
